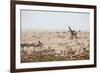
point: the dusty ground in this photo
(56, 46)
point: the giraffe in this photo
(73, 33)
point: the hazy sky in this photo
(54, 21)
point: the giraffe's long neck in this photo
(70, 29)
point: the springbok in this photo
(35, 45)
(38, 45)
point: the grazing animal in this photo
(26, 45)
(38, 45)
(35, 45)
(73, 33)
(23, 45)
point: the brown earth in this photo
(56, 46)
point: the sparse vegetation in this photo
(59, 48)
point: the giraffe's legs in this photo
(73, 34)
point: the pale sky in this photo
(54, 20)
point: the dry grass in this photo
(58, 46)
